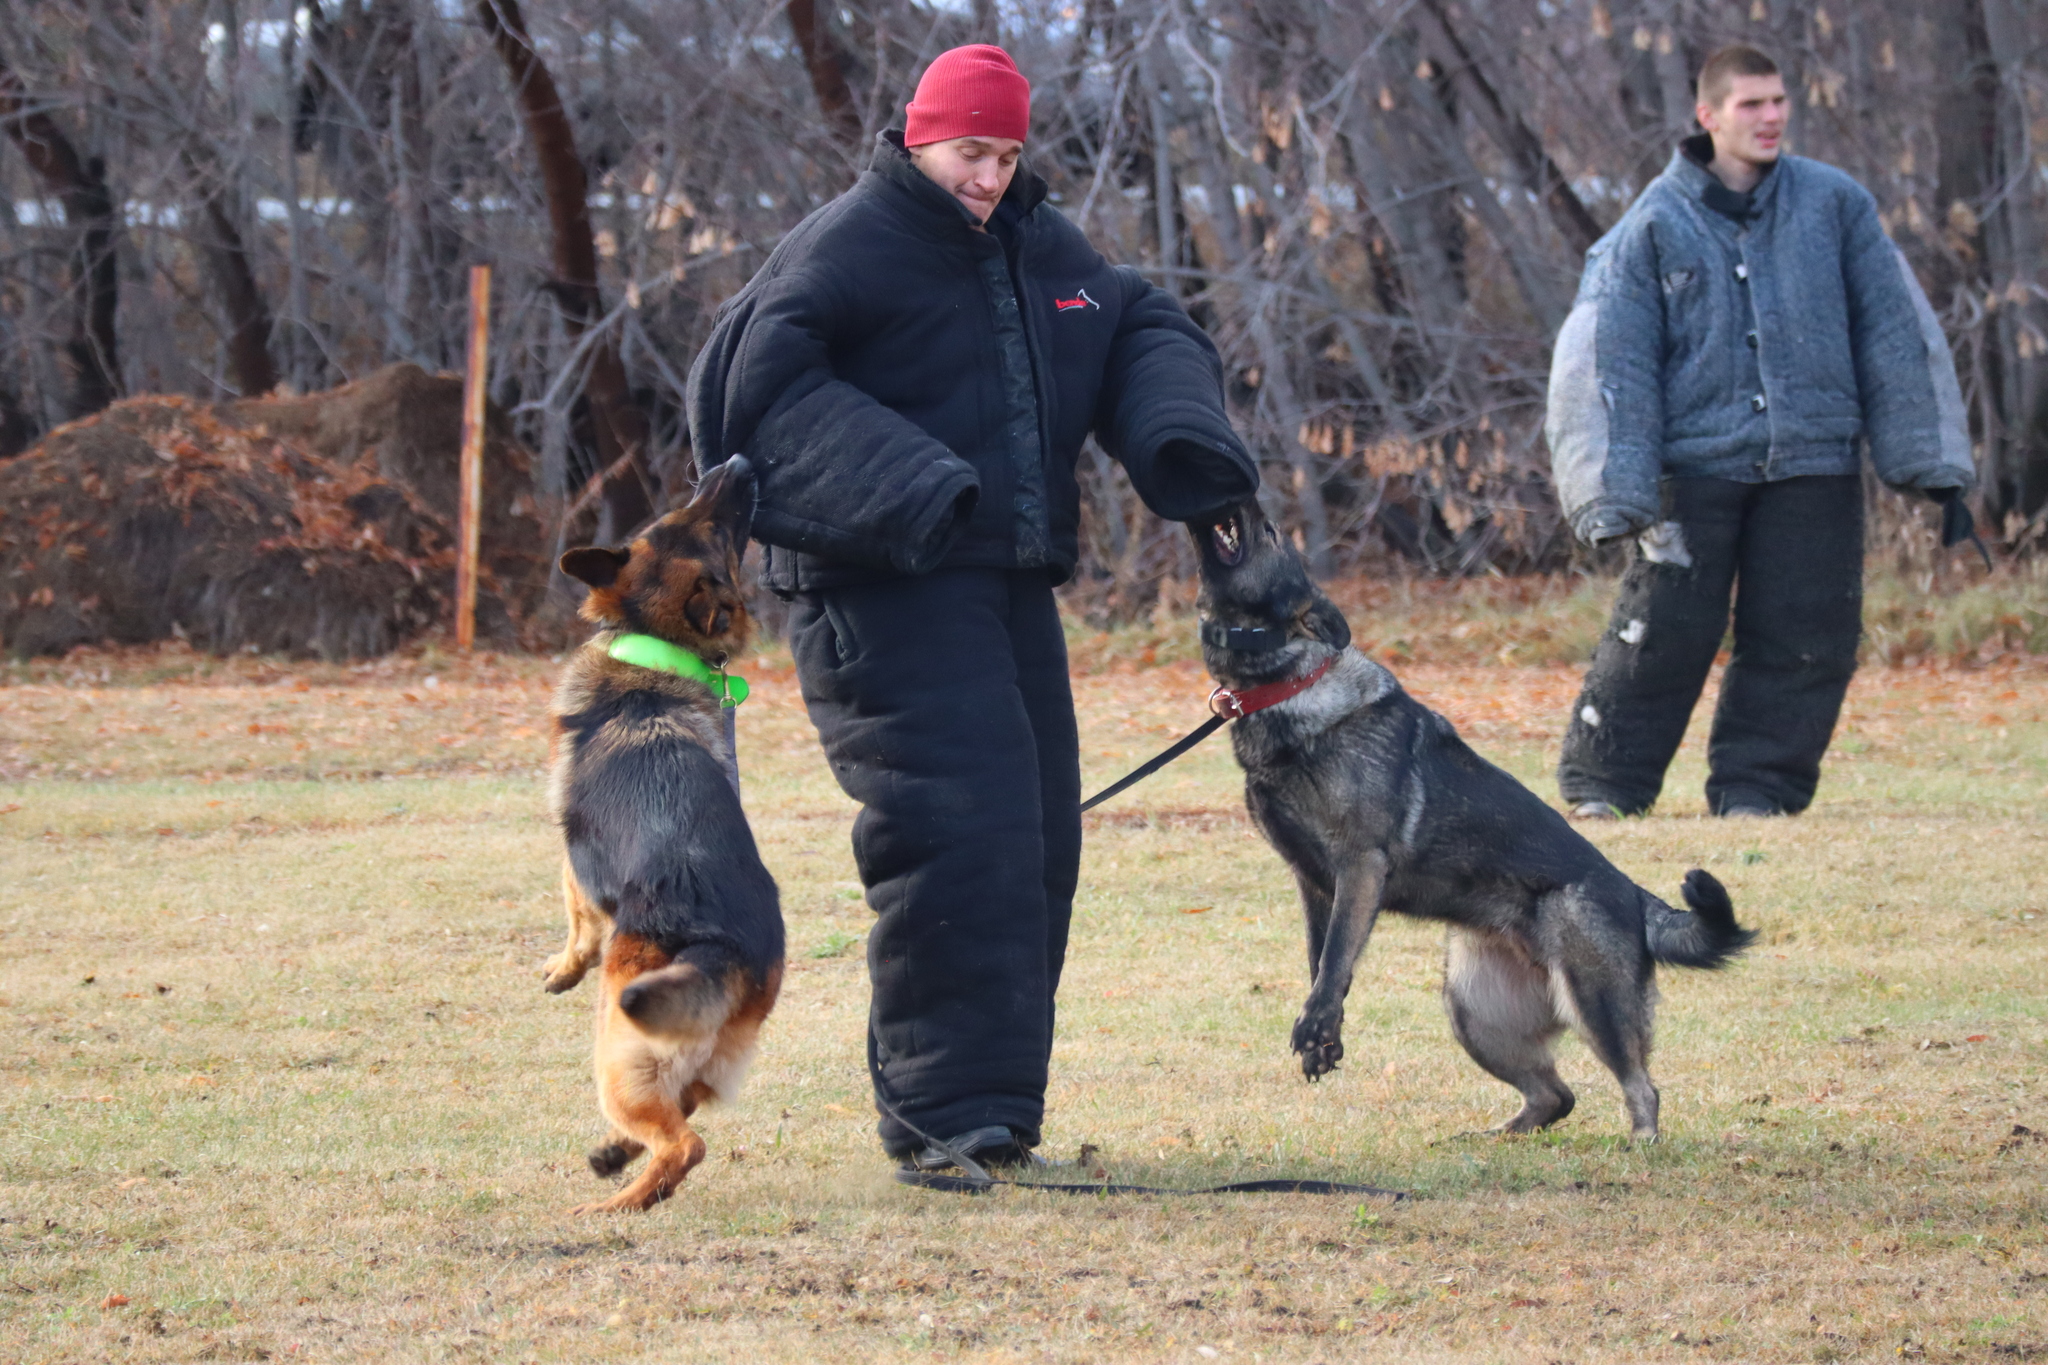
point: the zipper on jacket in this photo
(1043, 390)
(1030, 519)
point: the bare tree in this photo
(80, 184)
(1379, 209)
(628, 491)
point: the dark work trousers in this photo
(1793, 552)
(944, 708)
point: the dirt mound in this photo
(319, 526)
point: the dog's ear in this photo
(595, 565)
(1326, 623)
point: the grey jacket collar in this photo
(932, 206)
(1688, 171)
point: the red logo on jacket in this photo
(1080, 300)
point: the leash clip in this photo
(1227, 704)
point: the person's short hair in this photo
(1717, 77)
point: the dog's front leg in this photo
(1315, 917)
(587, 925)
(1319, 1032)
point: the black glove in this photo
(1957, 525)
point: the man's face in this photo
(1749, 122)
(974, 170)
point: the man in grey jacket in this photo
(1739, 337)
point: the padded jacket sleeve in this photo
(1604, 420)
(841, 476)
(1913, 415)
(1161, 413)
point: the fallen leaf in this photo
(1197, 910)
(1978, 1038)
(10, 809)
(114, 1301)
(1527, 1303)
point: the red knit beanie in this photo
(973, 91)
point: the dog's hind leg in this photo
(1607, 994)
(637, 1093)
(587, 925)
(1502, 1013)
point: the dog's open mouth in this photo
(1229, 542)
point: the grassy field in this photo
(280, 1082)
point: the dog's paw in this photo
(637, 1197)
(562, 972)
(610, 1159)
(1320, 1044)
(605, 1206)
(1319, 1061)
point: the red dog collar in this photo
(1237, 705)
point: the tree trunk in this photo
(1987, 210)
(91, 351)
(621, 429)
(828, 78)
(1511, 133)
(226, 257)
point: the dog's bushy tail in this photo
(686, 999)
(1708, 937)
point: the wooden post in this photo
(469, 529)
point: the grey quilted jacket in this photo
(1768, 342)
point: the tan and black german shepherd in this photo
(1376, 804)
(662, 880)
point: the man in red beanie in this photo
(912, 373)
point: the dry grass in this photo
(1937, 606)
(281, 1083)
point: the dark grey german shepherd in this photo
(1376, 803)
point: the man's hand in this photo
(1957, 525)
(1608, 525)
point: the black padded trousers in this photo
(944, 708)
(1793, 553)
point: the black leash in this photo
(1978, 541)
(977, 1180)
(967, 1184)
(1131, 779)
(1225, 704)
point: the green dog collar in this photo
(648, 651)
